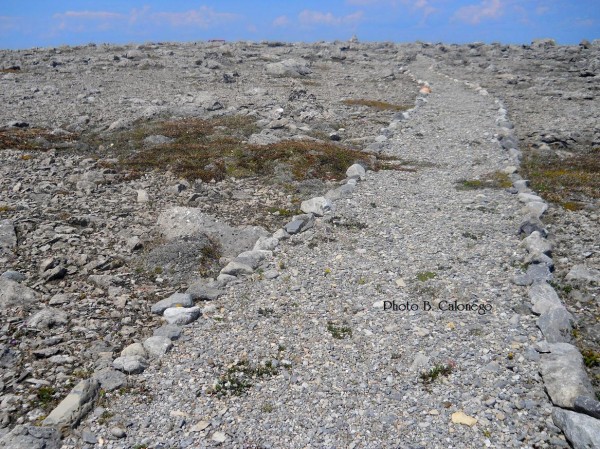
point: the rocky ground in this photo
(100, 219)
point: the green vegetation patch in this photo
(379, 105)
(495, 180)
(27, 139)
(240, 376)
(339, 331)
(217, 148)
(426, 275)
(441, 369)
(560, 180)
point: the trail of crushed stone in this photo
(408, 237)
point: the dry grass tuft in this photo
(30, 138)
(379, 105)
(568, 182)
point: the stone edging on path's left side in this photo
(180, 309)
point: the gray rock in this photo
(183, 221)
(75, 406)
(529, 197)
(581, 430)
(266, 244)
(536, 244)
(288, 67)
(535, 209)
(535, 273)
(31, 437)
(263, 139)
(142, 196)
(170, 331)
(175, 300)
(8, 236)
(281, 234)
(318, 206)
(202, 291)
(300, 223)
(556, 325)
(110, 379)
(13, 294)
(157, 140)
(47, 318)
(543, 298)
(234, 268)
(588, 406)
(88, 437)
(157, 346)
(133, 364)
(356, 171)
(133, 350)
(180, 315)
(583, 273)
(118, 432)
(13, 276)
(340, 192)
(564, 375)
(252, 258)
(224, 279)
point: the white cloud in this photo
(308, 17)
(204, 17)
(89, 15)
(281, 21)
(474, 14)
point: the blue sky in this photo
(44, 23)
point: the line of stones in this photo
(576, 411)
(180, 309)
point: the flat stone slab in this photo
(110, 379)
(75, 406)
(175, 300)
(556, 325)
(31, 437)
(564, 375)
(8, 236)
(581, 430)
(543, 298)
(181, 315)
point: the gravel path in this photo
(409, 237)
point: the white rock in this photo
(181, 315)
(318, 206)
(356, 171)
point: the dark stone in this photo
(588, 406)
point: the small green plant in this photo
(283, 212)
(239, 377)
(327, 271)
(105, 417)
(45, 396)
(281, 265)
(591, 358)
(361, 281)
(495, 180)
(487, 433)
(425, 275)
(339, 331)
(441, 369)
(267, 407)
(140, 446)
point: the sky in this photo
(44, 23)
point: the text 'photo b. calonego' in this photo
(444, 306)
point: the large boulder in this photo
(186, 221)
(288, 67)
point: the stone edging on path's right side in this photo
(576, 409)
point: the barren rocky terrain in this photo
(273, 245)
